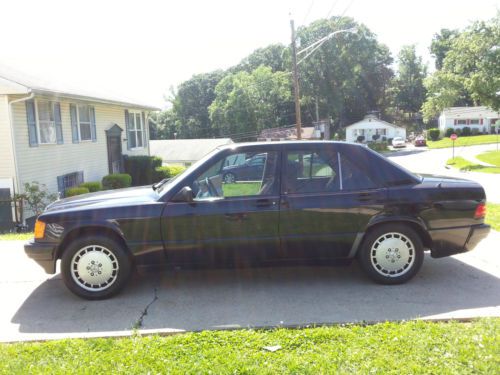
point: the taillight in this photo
(480, 211)
(39, 229)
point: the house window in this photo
(67, 181)
(461, 122)
(135, 129)
(46, 122)
(84, 124)
(474, 121)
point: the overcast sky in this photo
(138, 49)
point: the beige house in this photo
(61, 138)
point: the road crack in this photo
(139, 321)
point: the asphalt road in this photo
(37, 306)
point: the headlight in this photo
(39, 229)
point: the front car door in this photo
(322, 212)
(226, 222)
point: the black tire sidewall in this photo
(233, 178)
(124, 264)
(364, 253)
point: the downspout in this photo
(14, 153)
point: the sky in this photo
(142, 49)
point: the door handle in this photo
(364, 197)
(265, 203)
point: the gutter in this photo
(14, 153)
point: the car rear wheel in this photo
(229, 178)
(95, 267)
(391, 254)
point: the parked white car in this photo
(398, 142)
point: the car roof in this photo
(286, 144)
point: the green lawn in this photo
(241, 188)
(490, 157)
(463, 141)
(386, 348)
(16, 236)
(493, 215)
(466, 165)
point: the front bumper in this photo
(42, 253)
(452, 241)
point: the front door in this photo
(237, 221)
(114, 153)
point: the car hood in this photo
(107, 198)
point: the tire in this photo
(391, 254)
(229, 178)
(95, 267)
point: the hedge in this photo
(116, 181)
(142, 169)
(168, 172)
(382, 146)
(433, 134)
(78, 190)
(93, 186)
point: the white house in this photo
(370, 126)
(480, 118)
(61, 138)
(185, 151)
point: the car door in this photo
(226, 222)
(320, 218)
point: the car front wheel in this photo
(229, 178)
(391, 254)
(95, 267)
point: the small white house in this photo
(480, 118)
(185, 151)
(370, 126)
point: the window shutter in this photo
(57, 120)
(144, 130)
(127, 126)
(31, 119)
(481, 121)
(455, 122)
(92, 124)
(468, 121)
(74, 123)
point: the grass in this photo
(385, 348)
(490, 157)
(241, 188)
(493, 215)
(466, 165)
(463, 141)
(16, 236)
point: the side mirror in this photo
(183, 195)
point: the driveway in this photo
(421, 160)
(38, 306)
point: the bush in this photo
(142, 169)
(116, 181)
(475, 131)
(384, 139)
(78, 190)
(389, 141)
(493, 129)
(168, 172)
(93, 186)
(449, 132)
(360, 138)
(433, 134)
(378, 146)
(466, 131)
(375, 137)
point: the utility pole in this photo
(296, 83)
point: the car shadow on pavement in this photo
(255, 297)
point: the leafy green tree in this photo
(408, 85)
(272, 56)
(470, 72)
(164, 125)
(441, 44)
(246, 103)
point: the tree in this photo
(441, 44)
(246, 103)
(470, 72)
(164, 125)
(272, 56)
(408, 85)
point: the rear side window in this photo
(354, 177)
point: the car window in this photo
(235, 176)
(309, 172)
(354, 177)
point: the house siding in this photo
(7, 167)
(45, 162)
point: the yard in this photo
(491, 157)
(385, 348)
(464, 141)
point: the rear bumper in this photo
(43, 254)
(452, 241)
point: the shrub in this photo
(36, 197)
(360, 138)
(384, 139)
(433, 134)
(449, 132)
(142, 169)
(375, 137)
(116, 181)
(493, 130)
(168, 172)
(466, 131)
(475, 131)
(378, 146)
(93, 186)
(389, 141)
(78, 190)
